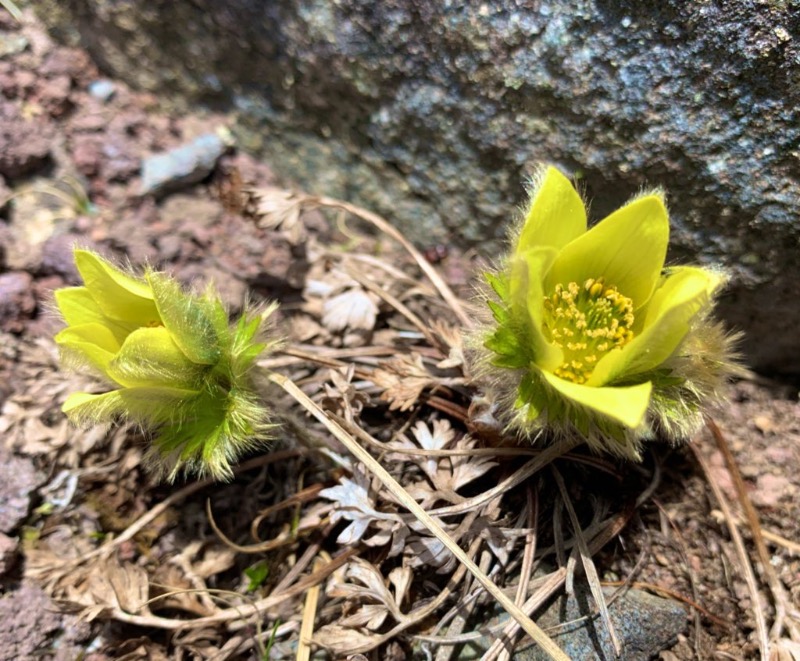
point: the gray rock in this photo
(8, 553)
(24, 144)
(182, 166)
(17, 302)
(645, 625)
(31, 626)
(432, 113)
(12, 43)
(17, 489)
(102, 89)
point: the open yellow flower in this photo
(598, 336)
(179, 367)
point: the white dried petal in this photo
(354, 309)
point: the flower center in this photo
(586, 322)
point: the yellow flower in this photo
(596, 334)
(179, 366)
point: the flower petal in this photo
(93, 342)
(556, 214)
(149, 358)
(627, 249)
(626, 405)
(526, 297)
(145, 405)
(189, 319)
(78, 307)
(116, 293)
(684, 292)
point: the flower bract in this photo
(175, 364)
(592, 334)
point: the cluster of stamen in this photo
(586, 322)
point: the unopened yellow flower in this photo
(179, 367)
(595, 334)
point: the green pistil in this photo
(586, 322)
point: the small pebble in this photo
(102, 89)
(182, 166)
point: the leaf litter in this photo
(342, 566)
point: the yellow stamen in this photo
(587, 322)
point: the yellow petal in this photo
(189, 319)
(78, 307)
(626, 405)
(118, 295)
(75, 406)
(556, 214)
(685, 292)
(145, 405)
(527, 302)
(627, 249)
(149, 358)
(93, 342)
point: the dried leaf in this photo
(437, 438)
(467, 467)
(371, 616)
(403, 380)
(785, 650)
(276, 208)
(123, 586)
(452, 337)
(353, 503)
(216, 560)
(400, 578)
(429, 552)
(341, 640)
(344, 398)
(364, 583)
(354, 309)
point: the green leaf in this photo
(256, 575)
(531, 396)
(504, 342)
(499, 283)
(499, 311)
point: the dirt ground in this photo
(70, 164)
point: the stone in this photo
(54, 95)
(645, 625)
(102, 89)
(87, 153)
(24, 145)
(31, 625)
(17, 490)
(434, 113)
(17, 302)
(58, 259)
(181, 166)
(8, 553)
(12, 44)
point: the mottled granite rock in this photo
(645, 625)
(432, 113)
